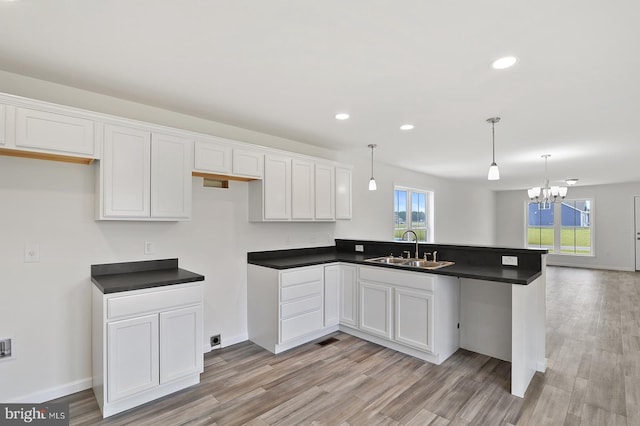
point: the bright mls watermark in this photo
(34, 414)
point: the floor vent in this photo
(328, 341)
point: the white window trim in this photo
(557, 228)
(430, 231)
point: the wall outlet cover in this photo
(360, 248)
(510, 260)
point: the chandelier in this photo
(547, 194)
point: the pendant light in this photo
(372, 181)
(494, 173)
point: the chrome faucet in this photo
(415, 236)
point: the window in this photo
(413, 209)
(563, 228)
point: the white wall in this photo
(464, 214)
(612, 219)
(46, 306)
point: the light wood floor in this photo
(593, 376)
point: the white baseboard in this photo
(53, 393)
(604, 267)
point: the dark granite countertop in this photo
(286, 259)
(128, 276)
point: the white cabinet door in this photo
(171, 160)
(331, 295)
(343, 193)
(132, 360)
(127, 172)
(3, 119)
(414, 318)
(212, 157)
(324, 191)
(180, 343)
(375, 309)
(54, 132)
(277, 188)
(302, 190)
(348, 295)
(248, 163)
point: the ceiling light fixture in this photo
(372, 181)
(571, 181)
(547, 194)
(504, 62)
(494, 173)
(342, 116)
(407, 127)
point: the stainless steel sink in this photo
(413, 263)
(388, 260)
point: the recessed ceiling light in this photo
(505, 62)
(342, 116)
(571, 181)
(407, 127)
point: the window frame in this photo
(429, 212)
(557, 227)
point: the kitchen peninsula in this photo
(477, 303)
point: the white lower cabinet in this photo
(146, 344)
(413, 312)
(348, 293)
(286, 308)
(375, 309)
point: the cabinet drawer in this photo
(300, 325)
(300, 276)
(299, 291)
(417, 280)
(155, 300)
(300, 306)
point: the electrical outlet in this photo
(149, 247)
(360, 248)
(215, 340)
(510, 260)
(31, 253)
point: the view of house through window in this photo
(413, 209)
(563, 227)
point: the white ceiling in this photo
(285, 67)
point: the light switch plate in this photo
(149, 247)
(31, 253)
(510, 260)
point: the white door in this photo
(171, 165)
(325, 189)
(126, 164)
(414, 318)
(302, 190)
(348, 296)
(132, 360)
(277, 188)
(180, 343)
(637, 236)
(375, 309)
(331, 295)
(2, 124)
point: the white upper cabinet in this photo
(302, 190)
(41, 130)
(324, 192)
(343, 193)
(145, 176)
(2, 124)
(277, 187)
(213, 157)
(171, 159)
(248, 163)
(126, 173)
